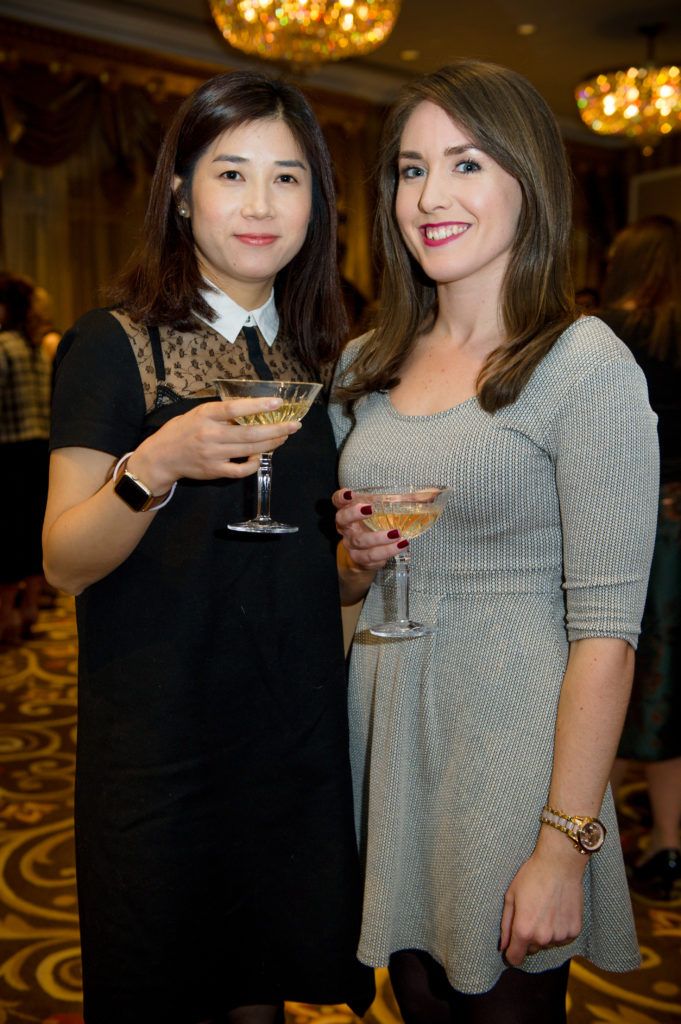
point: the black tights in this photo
(425, 996)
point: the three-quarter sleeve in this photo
(341, 419)
(606, 454)
(98, 399)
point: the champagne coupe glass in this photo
(412, 512)
(297, 397)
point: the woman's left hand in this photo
(543, 905)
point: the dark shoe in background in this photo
(658, 878)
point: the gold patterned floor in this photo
(39, 954)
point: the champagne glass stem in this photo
(402, 585)
(264, 485)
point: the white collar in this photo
(231, 317)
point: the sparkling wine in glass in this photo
(412, 512)
(297, 397)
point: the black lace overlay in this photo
(192, 358)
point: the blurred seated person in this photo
(25, 373)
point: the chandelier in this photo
(305, 31)
(640, 103)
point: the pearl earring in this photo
(183, 209)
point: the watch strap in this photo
(154, 502)
(571, 825)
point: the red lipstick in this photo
(441, 234)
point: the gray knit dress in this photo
(546, 539)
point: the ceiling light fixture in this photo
(305, 32)
(642, 103)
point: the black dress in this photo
(216, 855)
(652, 730)
(25, 374)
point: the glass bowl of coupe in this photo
(297, 397)
(412, 512)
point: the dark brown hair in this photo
(505, 117)
(644, 279)
(162, 282)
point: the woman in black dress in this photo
(216, 857)
(642, 299)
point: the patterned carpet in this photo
(39, 955)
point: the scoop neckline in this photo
(467, 401)
(426, 415)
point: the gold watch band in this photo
(586, 833)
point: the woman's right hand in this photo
(364, 549)
(82, 508)
(201, 444)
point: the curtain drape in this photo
(76, 157)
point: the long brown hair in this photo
(162, 282)
(644, 280)
(504, 116)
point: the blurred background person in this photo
(25, 373)
(588, 299)
(642, 304)
(43, 331)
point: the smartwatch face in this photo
(591, 836)
(132, 493)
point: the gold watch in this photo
(588, 834)
(136, 495)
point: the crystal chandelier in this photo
(305, 31)
(642, 103)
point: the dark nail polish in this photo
(393, 534)
(366, 510)
(347, 495)
(403, 544)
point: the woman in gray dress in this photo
(481, 754)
